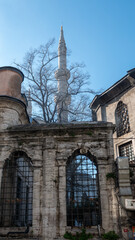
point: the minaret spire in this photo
(62, 75)
(62, 51)
(61, 34)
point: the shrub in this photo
(110, 236)
(79, 236)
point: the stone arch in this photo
(9, 154)
(16, 191)
(82, 151)
(23, 150)
(82, 190)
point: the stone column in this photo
(36, 202)
(104, 201)
(49, 192)
(113, 204)
(62, 197)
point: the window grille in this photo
(126, 150)
(16, 191)
(122, 119)
(82, 192)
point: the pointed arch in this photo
(122, 119)
(82, 192)
(16, 191)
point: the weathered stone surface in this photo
(49, 147)
(117, 105)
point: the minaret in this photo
(62, 75)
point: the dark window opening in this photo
(82, 192)
(16, 191)
(122, 119)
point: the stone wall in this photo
(49, 147)
(107, 113)
(125, 166)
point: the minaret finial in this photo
(62, 37)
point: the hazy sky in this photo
(100, 33)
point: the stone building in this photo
(33, 165)
(55, 177)
(117, 105)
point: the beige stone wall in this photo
(49, 148)
(12, 112)
(99, 115)
(127, 98)
(12, 103)
(124, 181)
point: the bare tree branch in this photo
(38, 67)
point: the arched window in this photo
(16, 191)
(122, 119)
(82, 192)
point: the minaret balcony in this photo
(60, 73)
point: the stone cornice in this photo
(62, 129)
(124, 84)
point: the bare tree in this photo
(39, 66)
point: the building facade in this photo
(63, 176)
(117, 105)
(52, 177)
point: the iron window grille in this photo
(82, 192)
(16, 191)
(126, 150)
(122, 119)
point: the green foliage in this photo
(110, 175)
(110, 235)
(78, 236)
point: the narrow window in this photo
(82, 192)
(122, 119)
(16, 191)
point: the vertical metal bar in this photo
(16, 191)
(82, 187)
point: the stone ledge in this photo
(58, 126)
